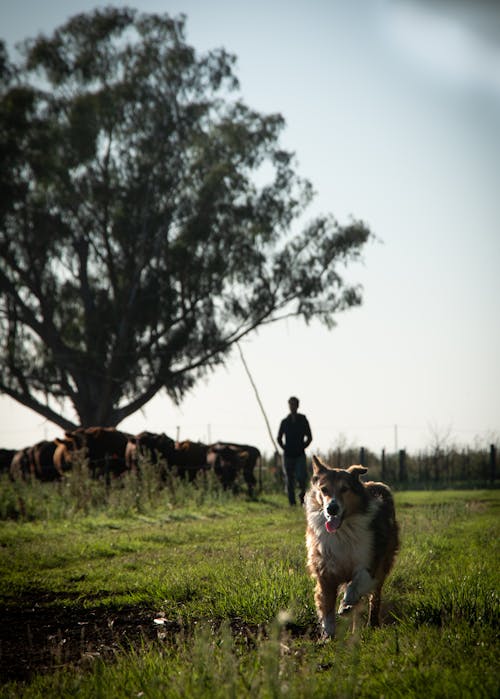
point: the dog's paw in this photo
(345, 608)
(351, 597)
(328, 627)
(325, 638)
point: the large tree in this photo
(147, 219)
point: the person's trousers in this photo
(295, 473)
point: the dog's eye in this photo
(324, 490)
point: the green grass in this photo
(215, 561)
(230, 573)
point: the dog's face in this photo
(338, 492)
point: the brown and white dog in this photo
(352, 539)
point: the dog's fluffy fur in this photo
(352, 539)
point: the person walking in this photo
(294, 437)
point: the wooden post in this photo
(362, 456)
(382, 467)
(493, 463)
(278, 468)
(403, 476)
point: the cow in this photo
(63, 454)
(35, 462)
(189, 458)
(41, 461)
(104, 447)
(154, 447)
(6, 456)
(228, 460)
(20, 464)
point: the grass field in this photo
(84, 576)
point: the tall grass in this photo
(78, 494)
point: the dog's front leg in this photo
(374, 608)
(326, 597)
(361, 584)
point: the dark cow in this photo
(157, 448)
(104, 447)
(228, 460)
(131, 455)
(189, 458)
(35, 462)
(20, 464)
(41, 461)
(63, 454)
(6, 456)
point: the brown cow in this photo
(229, 459)
(131, 455)
(226, 462)
(189, 458)
(6, 456)
(104, 447)
(35, 462)
(63, 454)
(41, 461)
(154, 447)
(20, 464)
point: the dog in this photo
(352, 539)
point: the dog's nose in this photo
(333, 508)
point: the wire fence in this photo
(431, 469)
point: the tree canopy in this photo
(147, 219)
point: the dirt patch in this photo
(36, 639)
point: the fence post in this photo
(382, 466)
(362, 456)
(402, 466)
(493, 463)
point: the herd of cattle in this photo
(110, 453)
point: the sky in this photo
(392, 108)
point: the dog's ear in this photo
(318, 465)
(357, 470)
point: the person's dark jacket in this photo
(297, 434)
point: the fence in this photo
(437, 467)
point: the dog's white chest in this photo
(348, 550)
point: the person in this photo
(294, 437)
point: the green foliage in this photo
(148, 219)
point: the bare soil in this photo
(37, 635)
(36, 638)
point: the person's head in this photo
(293, 404)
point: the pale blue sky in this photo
(393, 111)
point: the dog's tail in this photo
(383, 493)
(386, 513)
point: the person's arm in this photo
(308, 438)
(280, 435)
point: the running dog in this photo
(352, 539)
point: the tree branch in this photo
(40, 408)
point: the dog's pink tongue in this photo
(332, 524)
